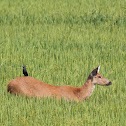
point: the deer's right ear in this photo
(95, 71)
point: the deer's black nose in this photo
(109, 83)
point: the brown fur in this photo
(32, 87)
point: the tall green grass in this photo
(61, 42)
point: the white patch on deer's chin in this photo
(98, 68)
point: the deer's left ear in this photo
(95, 71)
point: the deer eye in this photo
(99, 76)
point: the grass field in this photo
(61, 42)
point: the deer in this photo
(31, 87)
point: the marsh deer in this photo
(31, 87)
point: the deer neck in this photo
(87, 89)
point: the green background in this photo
(61, 42)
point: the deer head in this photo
(96, 78)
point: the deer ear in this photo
(98, 68)
(95, 71)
